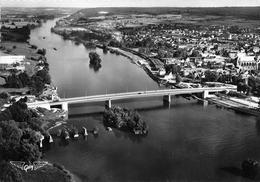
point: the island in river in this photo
(124, 119)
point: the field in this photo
(40, 12)
(244, 17)
(23, 49)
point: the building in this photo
(248, 63)
(214, 62)
(12, 62)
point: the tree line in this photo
(36, 82)
(20, 133)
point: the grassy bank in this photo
(26, 50)
(47, 173)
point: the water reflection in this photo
(234, 171)
(128, 135)
(95, 67)
(63, 142)
(258, 124)
(105, 51)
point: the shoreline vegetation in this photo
(24, 129)
(55, 171)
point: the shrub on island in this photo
(124, 119)
(94, 58)
(251, 168)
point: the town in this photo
(179, 51)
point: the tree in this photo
(183, 53)
(9, 173)
(221, 79)
(240, 86)
(64, 34)
(36, 85)
(29, 152)
(41, 51)
(94, 58)
(4, 95)
(6, 115)
(195, 53)
(34, 46)
(211, 76)
(44, 75)
(248, 90)
(10, 135)
(8, 50)
(174, 69)
(251, 168)
(178, 78)
(161, 53)
(245, 88)
(19, 112)
(24, 79)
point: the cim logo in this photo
(21, 165)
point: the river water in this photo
(188, 140)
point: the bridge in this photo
(108, 98)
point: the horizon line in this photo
(135, 7)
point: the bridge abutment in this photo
(63, 106)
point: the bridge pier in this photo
(108, 104)
(64, 106)
(167, 98)
(205, 94)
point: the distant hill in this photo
(242, 12)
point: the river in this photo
(187, 140)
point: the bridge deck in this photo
(118, 96)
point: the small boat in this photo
(85, 131)
(109, 129)
(43, 37)
(55, 49)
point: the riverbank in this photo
(55, 173)
(237, 104)
(49, 118)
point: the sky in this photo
(127, 3)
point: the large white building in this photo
(247, 63)
(12, 62)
